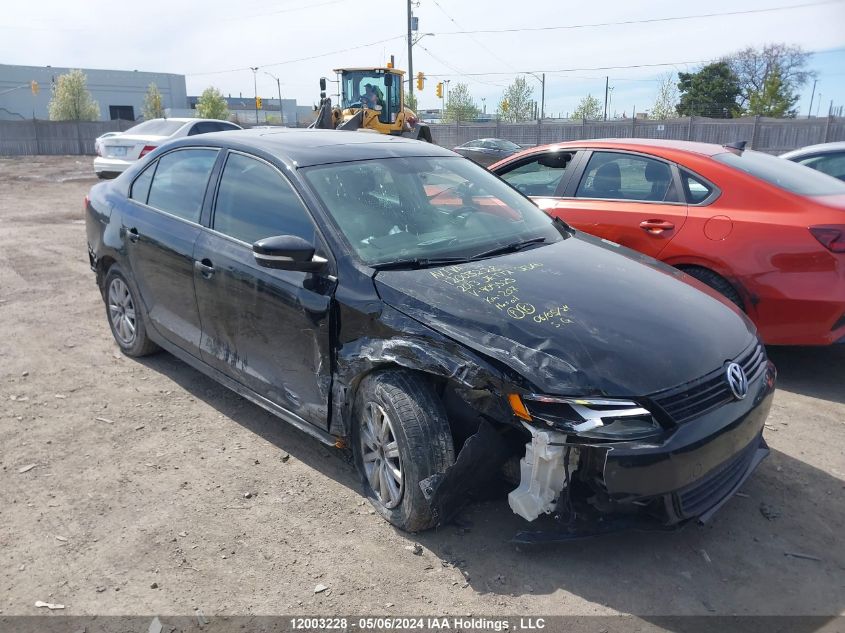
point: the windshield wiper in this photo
(512, 247)
(420, 262)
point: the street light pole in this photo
(606, 91)
(254, 70)
(279, 86)
(542, 80)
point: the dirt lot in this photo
(154, 490)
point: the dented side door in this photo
(267, 329)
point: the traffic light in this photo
(34, 86)
(439, 90)
(420, 81)
(257, 103)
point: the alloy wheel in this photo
(380, 454)
(122, 311)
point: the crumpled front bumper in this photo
(664, 485)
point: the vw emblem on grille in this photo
(737, 380)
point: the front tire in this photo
(123, 311)
(400, 437)
(715, 281)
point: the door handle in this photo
(133, 234)
(656, 227)
(205, 268)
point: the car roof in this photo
(183, 119)
(643, 144)
(306, 147)
(821, 148)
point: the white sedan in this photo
(116, 153)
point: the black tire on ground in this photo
(418, 424)
(122, 304)
(715, 281)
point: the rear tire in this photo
(125, 315)
(715, 281)
(400, 436)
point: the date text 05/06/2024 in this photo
(417, 624)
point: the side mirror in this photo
(322, 84)
(388, 80)
(287, 252)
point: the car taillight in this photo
(831, 237)
(147, 149)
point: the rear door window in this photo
(618, 176)
(180, 181)
(141, 187)
(255, 201)
(539, 175)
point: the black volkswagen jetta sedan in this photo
(388, 296)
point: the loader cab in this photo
(378, 89)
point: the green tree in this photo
(153, 103)
(712, 91)
(588, 108)
(516, 103)
(411, 102)
(460, 106)
(212, 105)
(71, 100)
(754, 66)
(666, 103)
(774, 99)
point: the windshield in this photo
(783, 173)
(370, 88)
(156, 127)
(505, 145)
(424, 207)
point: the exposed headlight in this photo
(597, 418)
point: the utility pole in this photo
(812, 94)
(279, 86)
(254, 70)
(410, 53)
(543, 97)
(606, 85)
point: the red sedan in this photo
(765, 232)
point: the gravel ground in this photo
(139, 487)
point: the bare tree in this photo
(666, 104)
(754, 66)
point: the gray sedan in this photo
(828, 158)
(486, 151)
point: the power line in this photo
(643, 21)
(456, 70)
(298, 59)
(570, 70)
(477, 41)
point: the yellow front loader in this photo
(370, 99)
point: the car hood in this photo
(581, 316)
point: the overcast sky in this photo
(215, 43)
